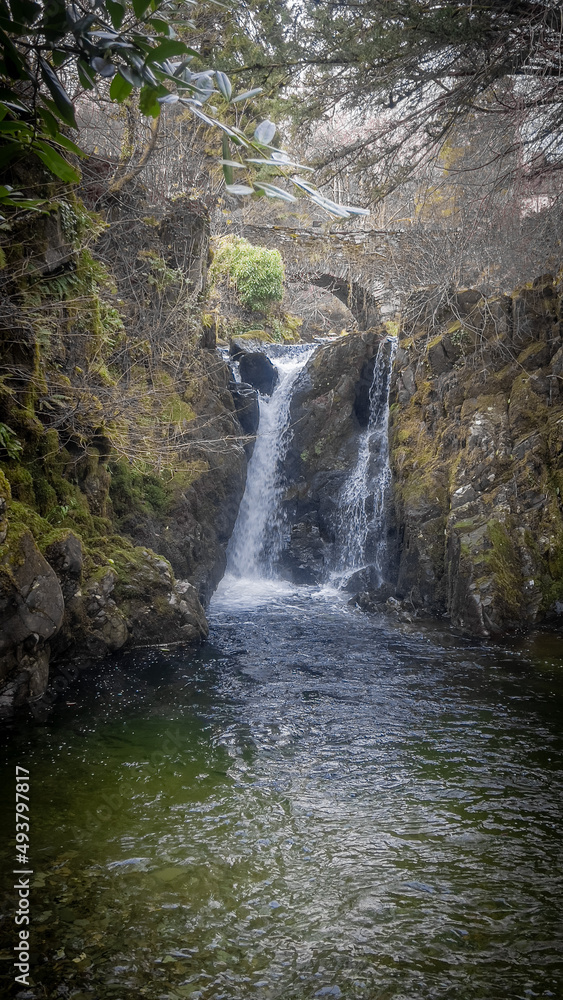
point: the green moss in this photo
(505, 565)
(133, 492)
(21, 483)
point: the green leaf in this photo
(227, 166)
(50, 122)
(131, 75)
(62, 140)
(55, 162)
(169, 47)
(162, 26)
(58, 56)
(148, 100)
(116, 12)
(265, 132)
(15, 128)
(224, 84)
(58, 93)
(120, 88)
(24, 11)
(140, 6)
(84, 75)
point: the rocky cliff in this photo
(329, 409)
(122, 460)
(477, 457)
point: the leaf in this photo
(148, 100)
(103, 66)
(169, 47)
(265, 132)
(300, 183)
(120, 88)
(227, 166)
(224, 84)
(24, 11)
(55, 162)
(131, 75)
(162, 26)
(247, 95)
(140, 6)
(84, 75)
(58, 93)
(116, 12)
(49, 121)
(239, 189)
(62, 140)
(354, 210)
(274, 192)
(15, 128)
(233, 163)
(169, 99)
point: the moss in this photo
(132, 491)
(529, 352)
(505, 565)
(21, 483)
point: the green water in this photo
(315, 804)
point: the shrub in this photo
(257, 272)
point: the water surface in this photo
(316, 803)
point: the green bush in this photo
(257, 272)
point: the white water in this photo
(361, 529)
(259, 531)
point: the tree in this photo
(50, 54)
(407, 72)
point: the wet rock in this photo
(305, 554)
(247, 408)
(257, 370)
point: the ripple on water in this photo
(314, 804)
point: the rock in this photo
(247, 408)
(31, 612)
(477, 460)
(66, 557)
(155, 608)
(257, 370)
(329, 409)
(305, 554)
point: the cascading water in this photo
(259, 531)
(361, 510)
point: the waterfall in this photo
(259, 531)
(361, 532)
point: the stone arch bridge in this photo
(368, 270)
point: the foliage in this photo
(45, 49)
(257, 272)
(9, 442)
(409, 73)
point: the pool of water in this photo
(316, 803)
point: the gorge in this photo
(315, 787)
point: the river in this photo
(316, 803)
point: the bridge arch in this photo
(360, 301)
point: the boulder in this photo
(257, 370)
(31, 612)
